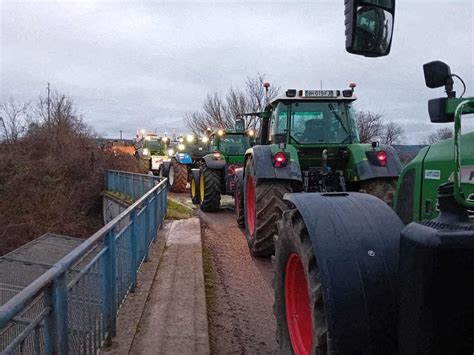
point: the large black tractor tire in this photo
(264, 205)
(209, 189)
(336, 263)
(383, 188)
(180, 178)
(194, 189)
(239, 203)
(299, 307)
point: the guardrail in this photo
(72, 307)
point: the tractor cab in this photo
(309, 117)
(232, 143)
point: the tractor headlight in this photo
(220, 132)
(181, 146)
(146, 151)
(190, 138)
(170, 151)
(251, 133)
(205, 139)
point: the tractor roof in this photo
(315, 95)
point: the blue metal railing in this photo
(129, 184)
(72, 307)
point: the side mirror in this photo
(437, 74)
(437, 111)
(239, 125)
(369, 26)
(279, 138)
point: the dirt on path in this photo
(238, 288)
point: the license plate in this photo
(319, 93)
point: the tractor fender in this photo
(355, 238)
(264, 169)
(366, 170)
(239, 176)
(213, 163)
(195, 174)
(183, 158)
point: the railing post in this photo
(133, 249)
(164, 200)
(56, 324)
(157, 212)
(147, 229)
(109, 287)
(48, 324)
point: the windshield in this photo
(320, 122)
(153, 145)
(234, 144)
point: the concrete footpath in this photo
(167, 314)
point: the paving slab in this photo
(174, 318)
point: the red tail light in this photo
(382, 158)
(216, 155)
(279, 160)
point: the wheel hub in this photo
(193, 188)
(201, 187)
(298, 313)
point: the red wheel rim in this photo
(298, 314)
(250, 205)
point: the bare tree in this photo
(369, 125)
(59, 120)
(439, 135)
(372, 127)
(221, 111)
(392, 134)
(14, 118)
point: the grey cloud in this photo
(131, 64)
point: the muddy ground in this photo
(238, 287)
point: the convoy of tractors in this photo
(369, 257)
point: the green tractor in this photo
(153, 150)
(216, 174)
(350, 277)
(416, 197)
(309, 142)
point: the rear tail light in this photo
(382, 158)
(279, 160)
(216, 155)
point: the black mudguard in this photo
(195, 175)
(213, 163)
(239, 176)
(356, 239)
(264, 168)
(367, 170)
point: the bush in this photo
(51, 180)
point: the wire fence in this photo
(72, 307)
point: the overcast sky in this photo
(136, 64)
